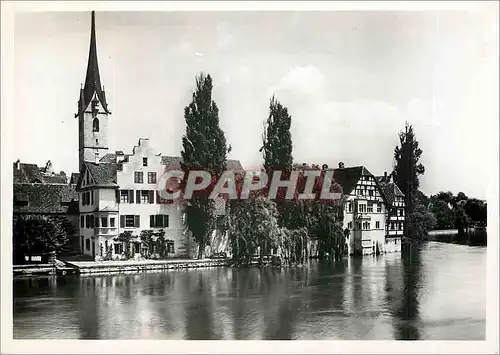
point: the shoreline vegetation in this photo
(292, 230)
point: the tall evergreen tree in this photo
(204, 148)
(277, 139)
(407, 170)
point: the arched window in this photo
(95, 125)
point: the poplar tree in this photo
(204, 148)
(407, 169)
(277, 139)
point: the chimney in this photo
(385, 176)
(48, 168)
(18, 165)
(341, 165)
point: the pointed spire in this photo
(93, 79)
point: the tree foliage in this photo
(204, 148)
(407, 166)
(39, 235)
(277, 139)
(407, 169)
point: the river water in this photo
(437, 292)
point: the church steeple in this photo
(93, 110)
(92, 79)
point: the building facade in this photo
(364, 210)
(40, 191)
(395, 212)
(119, 192)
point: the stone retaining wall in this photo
(94, 268)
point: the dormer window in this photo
(95, 125)
(144, 161)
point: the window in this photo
(158, 221)
(349, 225)
(362, 208)
(97, 156)
(96, 141)
(170, 246)
(151, 178)
(358, 225)
(96, 222)
(370, 207)
(144, 161)
(138, 177)
(87, 221)
(95, 125)
(400, 212)
(118, 248)
(112, 222)
(392, 225)
(379, 208)
(87, 244)
(82, 221)
(147, 196)
(130, 221)
(124, 196)
(104, 222)
(400, 226)
(370, 192)
(83, 243)
(377, 225)
(91, 193)
(350, 206)
(91, 221)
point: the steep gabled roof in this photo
(392, 190)
(45, 198)
(108, 158)
(103, 174)
(74, 178)
(31, 173)
(349, 177)
(92, 78)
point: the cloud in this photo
(326, 130)
(302, 80)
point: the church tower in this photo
(93, 110)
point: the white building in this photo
(364, 210)
(119, 192)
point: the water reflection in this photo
(385, 297)
(408, 312)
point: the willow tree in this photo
(204, 148)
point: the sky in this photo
(349, 79)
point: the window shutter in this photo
(138, 196)
(137, 222)
(151, 221)
(165, 221)
(151, 196)
(131, 196)
(157, 196)
(96, 222)
(122, 221)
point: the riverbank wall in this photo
(133, 266)
(41, 269)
